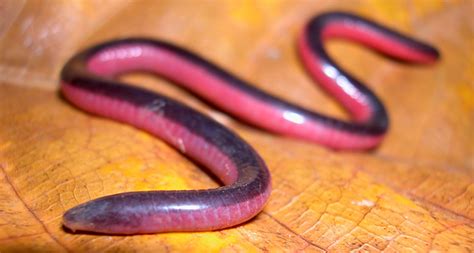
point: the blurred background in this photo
(413, 193)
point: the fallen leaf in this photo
(414, 193)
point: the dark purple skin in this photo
(87, 83)
(372, 119)
(134, 212)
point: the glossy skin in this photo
(370, 120)
(87, 82)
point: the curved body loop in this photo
(88, 82)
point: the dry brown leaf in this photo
(414, 193)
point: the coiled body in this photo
(88, 82)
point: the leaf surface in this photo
(414, 193)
